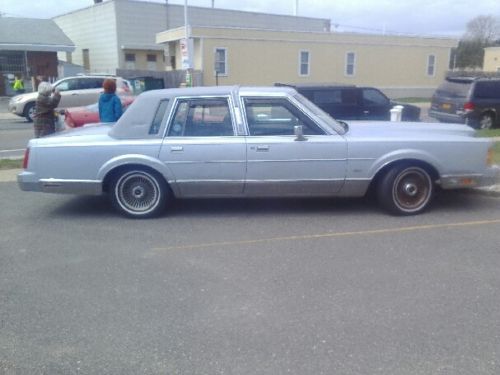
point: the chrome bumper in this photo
(28, 181)
(490, 177)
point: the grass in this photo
(11, 163)
(496, 153)
(489, 133)
(413, 100)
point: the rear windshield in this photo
(453, 89)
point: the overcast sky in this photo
(422, 17)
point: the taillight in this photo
(469, 106)
(26, 157)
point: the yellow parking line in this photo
(330, 235)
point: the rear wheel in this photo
(29, 112)
(486, 121)
(139, 193)
(405, 190)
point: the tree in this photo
(481, 32)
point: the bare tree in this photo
(481, 32)
(484, 29)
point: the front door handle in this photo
(176, 148)
(262, 148)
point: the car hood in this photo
(23, 98)
(406, 130)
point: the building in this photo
(401, 66)
(28, 48)
(120, 34)
(491, 59)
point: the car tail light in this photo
(468, 107)
(26, 158)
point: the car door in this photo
(376, 106)
(68, 89)
(281, 165)
(201, 149)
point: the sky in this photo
(413, 17)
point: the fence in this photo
(171, 79)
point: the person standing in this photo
(46, 102)
(110, 105)
(18, 85)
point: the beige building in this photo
(491, 59)
(399, 65)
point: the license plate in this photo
(446, 106)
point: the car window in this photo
(201, 118)
(157, 120)
(487, 90)
(372, 96)
(67, 85)
(327, 97)
(451, 89)
(276, 117)
(350, 96)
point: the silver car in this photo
(75, 91)
(253, 142)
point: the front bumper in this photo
(490, 177)
(15, 108)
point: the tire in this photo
(486, 121)
(405, 190)
(29, 111)
(139, 193)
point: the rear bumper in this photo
(28, 181)
(446, 117)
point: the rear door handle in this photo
(176, 148)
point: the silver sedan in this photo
(253, 142)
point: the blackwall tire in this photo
(29, 112)
(139, 193)
(405, 190)
(486, 121)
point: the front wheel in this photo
(29, 112)
(139, 193)
(405, 190)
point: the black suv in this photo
(353, 103)
(469, 100)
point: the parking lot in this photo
(296, 286)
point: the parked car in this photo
(473, 101)
(209, 142)
(79, 116)
(349, 102)
(75, 91)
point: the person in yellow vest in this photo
(18, 85)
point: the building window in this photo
(151, 62)
(129, 61)
(350, 64)
(86, 59)
(220, 65)
(431, 65)
(304, 58)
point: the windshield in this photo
(320, 115)
(450, 89)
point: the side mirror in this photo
(298, 130)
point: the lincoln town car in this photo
(213, 142)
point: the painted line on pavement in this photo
(16, 150)
(330, 235)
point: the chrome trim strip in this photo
(292, 160)
(52, 185)
(206, 162)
